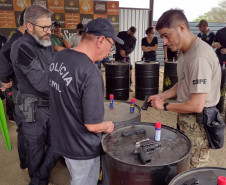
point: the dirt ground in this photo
(11, 174)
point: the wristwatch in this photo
(165, 106)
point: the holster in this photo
(28, 105)
(214, 126)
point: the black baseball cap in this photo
(102, 27)
(202, 22)
(56, 23)
(79, 26)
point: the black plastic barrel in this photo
(220, 105)
(117, 80)
(205, 176)
(122, 167)
(170, 75)
(120, 114)
(146, 79)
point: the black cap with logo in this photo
(102, 27)
(56, 23)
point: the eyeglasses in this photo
(44, 28)
(112, 45)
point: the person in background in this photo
(76, 129)
(8, 77)
(31, 56)
(205, 33)
(199, 79)
(57, 38)
(169, 55)
(3, 39)
(149, 45)
(123, 51)
(220, 44)
(102, 62)
(75, 39)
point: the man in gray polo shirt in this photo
(77, 102)
(199, 78)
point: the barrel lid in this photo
(205, 176)
(117, 63)
(147, 63)
(175, 146)
(170, 62)
(120, 112)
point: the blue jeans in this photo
(103, 62)
(83, 172)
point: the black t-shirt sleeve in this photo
(92, 99)
(132, 47)
(211, 38)
(155, 40)
(119, 46)
(143, 42)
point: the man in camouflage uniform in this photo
(199, 78)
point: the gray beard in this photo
(42, 42)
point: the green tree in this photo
(216, 14)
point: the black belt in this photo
(38, 101)
(42, 103)
(199, 116)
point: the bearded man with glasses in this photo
(31, 55)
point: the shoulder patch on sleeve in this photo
(25, 55)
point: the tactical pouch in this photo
(214, 126)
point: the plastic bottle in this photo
(111, 101)
(112, 61)
(143, 59)
(125, 60)
(221, 180)
(224, 65)
(132, 105)
(157, 131)
(174, 59)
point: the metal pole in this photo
(151, 10)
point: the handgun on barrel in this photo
(146, 104)
(144, 152)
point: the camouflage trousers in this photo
(199, 141)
